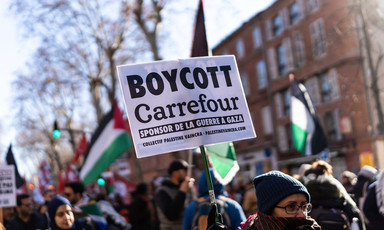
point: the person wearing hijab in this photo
(61, 216)
(284, 203)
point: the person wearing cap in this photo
(373, 206)
(170, 196)
(283, 202)
(365, 177)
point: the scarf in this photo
(261, 221)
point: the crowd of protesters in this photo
(174, 202)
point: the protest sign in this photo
(185, 103)
(7, 186)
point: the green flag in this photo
(223, 160)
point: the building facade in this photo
(322, 43)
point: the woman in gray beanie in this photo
(283, 204)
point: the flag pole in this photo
(211, 192)
(208, 176)
(200, 48)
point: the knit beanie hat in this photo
(274, 186)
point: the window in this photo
(294, 13)
(329, 86)
(318, 38)
(261, 75)
(289, 63)
(268, 27)
(332, 125)
(277, 25)
(244, 81)
(266, 116)
(326, 88)
(282, 138)
(256, 37)
(299, 49)
(279, 105)
(313, 5)
(288, 129)
(240, 48)
(281, 60)
(272, 62)
(283, 103)
(312, 85)
(287, 102)
(333, 79)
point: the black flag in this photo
(200, 44)
(11, 161)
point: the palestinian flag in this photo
(93, 211)
(308, 136)
(110, 140)
(223, 160)
(199, 43)
(81, 148)
(11, 161)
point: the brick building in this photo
(323, 43)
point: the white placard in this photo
(7, 186)
(185, 103)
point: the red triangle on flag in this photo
(61, 182)
(119, 122)
(81, 148)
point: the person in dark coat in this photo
(141, 210)
(327, 192)
(171, 195)
(26, 218)
(365, 177)
(373, 206)
(8, 213)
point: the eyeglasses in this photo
(293, 208)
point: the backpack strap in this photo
(222, 209)
(200, 202)
(221, 201)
